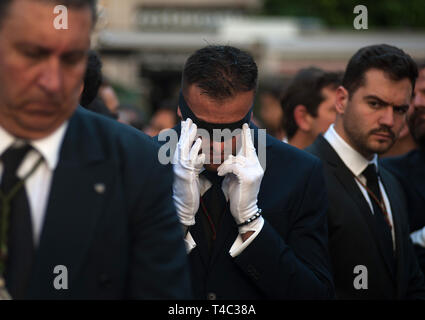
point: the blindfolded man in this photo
(255, 228)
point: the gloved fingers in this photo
(182, 137)
(192, 133)
(183, 129)
(231, 165)
(195, 149)
(249, 146)
(186, 138)
(200, 160)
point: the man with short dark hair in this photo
(253, 230)
(410, 168)
(82, 215)
(92, 82)
(309, 105)
(371, 252)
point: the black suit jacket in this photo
(289, 257)
(410, 171)
(124, 242)
(353, 240)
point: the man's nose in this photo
(51, 78)
(387, 117)
(216, 146)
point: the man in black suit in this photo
(371, 252)
(253, 211)
(82, 213)
(410, 168)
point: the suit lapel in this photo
(396, 210)
(80, 185)
(227, 234)
(346, 179)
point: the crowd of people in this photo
(322, 197)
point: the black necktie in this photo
(381, 220)
(214, 203)
(20, 236)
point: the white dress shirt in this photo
(357, 164)
(37, 185)
(238, 246)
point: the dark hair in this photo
(306, 89)
(220, 71)
(5, 4)
(92, 79)
(393, 61)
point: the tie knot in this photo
(371, 174)
(13, 157)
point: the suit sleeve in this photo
(158, 262)
(299, 267)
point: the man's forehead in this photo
(379, 83)
(211, 110)
(41, 12)
(32, 22)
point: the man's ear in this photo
(302, 118)
(341, 99)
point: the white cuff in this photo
(189, 243)
(239, 245)
(418, 237)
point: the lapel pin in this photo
(99, 188)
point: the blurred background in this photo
(143, 45)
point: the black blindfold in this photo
(208, 126)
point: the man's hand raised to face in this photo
(187, 166)
(242, 182)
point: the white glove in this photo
(187, 165)
(242, 182)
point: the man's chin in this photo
(35, 128)
(380, 146)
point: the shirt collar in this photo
(6, 140)
(48, 147)
(351, 158)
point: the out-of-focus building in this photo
(144, 43)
